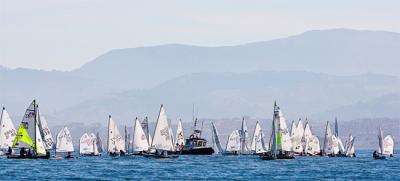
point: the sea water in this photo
(215, 167)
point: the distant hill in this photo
(134, 81)
(387, 106)
(227, 95)
(336, 51)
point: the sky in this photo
(65, 34)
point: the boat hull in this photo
(198, 151)
(160, 156)
(27, 157)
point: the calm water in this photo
(215, 167)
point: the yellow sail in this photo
(23, 136)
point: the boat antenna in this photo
(201, 131)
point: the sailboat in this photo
(64, 143)
(45, 132)
(244, 139)
(28, 138)
(115, 142)
(257, 144)
(145, 127)
(216, 142)
(310, 142)
(7, 133)
(233, 144)
(88, 145)
(349, 147)
(140, 142)
(196, 144)
(386, 146)
(296, 136)
(179, 138)
(280, 143)
(162, 143)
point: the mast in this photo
(35, 110)
(274, 145)
(108, 132)
(126, 140)
(326, 130)
(336, 128)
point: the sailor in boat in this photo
(22, 152)
(9, 151)
(121, 152)
(69, 155)
(29, 153)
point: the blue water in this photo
(215, 167)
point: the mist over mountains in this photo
(319, 74)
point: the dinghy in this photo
(145, 127)
(233, 144)
(140, 142)
(257, 144)
(7, 133)
(195, 144)
(349, 147)
(310, 142)
(280, 143)
(386, 146)
(296, 136)
(216, 142)
(28, 138)
(244, 139)
(179, 138)
(64, 143)
(88, 145)
(115, 142)
(331, 143)
(162, 145)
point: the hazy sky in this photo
(64, 34)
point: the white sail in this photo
(45, 132)
(307, 133)
(257, 144)
(334, 144)
(340, 145)
(85, 145)
(94, 145)
(329, 140)
(7, 130)
(297, 136)
(233, 143)
(244, 138)
(388, 145)
(40, 148)
(312, 146)
(64, 141)
(162, 138)
(180, 139)
(349, 146)
(284, 142)
(216, 138)
(293, 129)
(139, 138)
(115, 141)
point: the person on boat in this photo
(375, 154)
(9, 151)
(22, 152)
(121, 152)
(29, 153)
(69, 155)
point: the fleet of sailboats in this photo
(33, 139)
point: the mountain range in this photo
(321, 74)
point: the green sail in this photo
(279, 138)
(23, 136)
